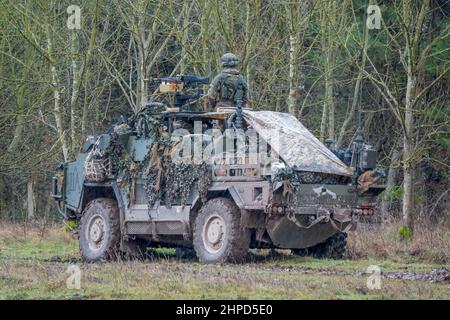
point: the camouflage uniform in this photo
(229, 87)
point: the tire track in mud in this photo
(436, 276)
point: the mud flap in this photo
(286, 234)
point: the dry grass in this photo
(35, 231)
(431, 242)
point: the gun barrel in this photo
(195, 79)
(186, 79)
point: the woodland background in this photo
(314, 59)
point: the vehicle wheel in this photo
(303, 252)
(99, 233)
(333, 248)
(218, 236)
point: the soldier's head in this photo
(379, 172)
(60, 167)
(229, 60)
(328, 142)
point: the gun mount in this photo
(186, 88)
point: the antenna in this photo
(92, 128)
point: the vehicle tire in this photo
(99, 233)
(218, 236)
(333, 248)
(303, 252)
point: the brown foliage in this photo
(431, 242)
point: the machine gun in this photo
(181, 85)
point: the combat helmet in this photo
(229, 60)
(328, 142)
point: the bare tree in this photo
(414, 49)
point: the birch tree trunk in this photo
(326, 21)
(329, 98)
(205, 16)
(248, 11)
(413, 17)
(297, 20)
(185, 34)
(142, 47)
(293, 91)
(86, 73)
(408, 153)
(57, 108)
(30, 201)
(74, 95)
(20, 119)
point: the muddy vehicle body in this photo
(119, 191)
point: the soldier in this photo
(228, 88)
(329, 143)
(345, 155)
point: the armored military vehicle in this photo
(274, 185)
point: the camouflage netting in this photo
(152, 187)
(298, 147)
(292, 182)
(96, 169)
(153, 174)
(97, 166)
(180, 179)
(173, 182)
(163, 179)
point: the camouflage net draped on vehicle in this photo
(97, 166)
(292, 182)
(163, 179)
(295, 144)
(175, 181)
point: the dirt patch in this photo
(436, 276)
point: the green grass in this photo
(38, 249)
(29, 270)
